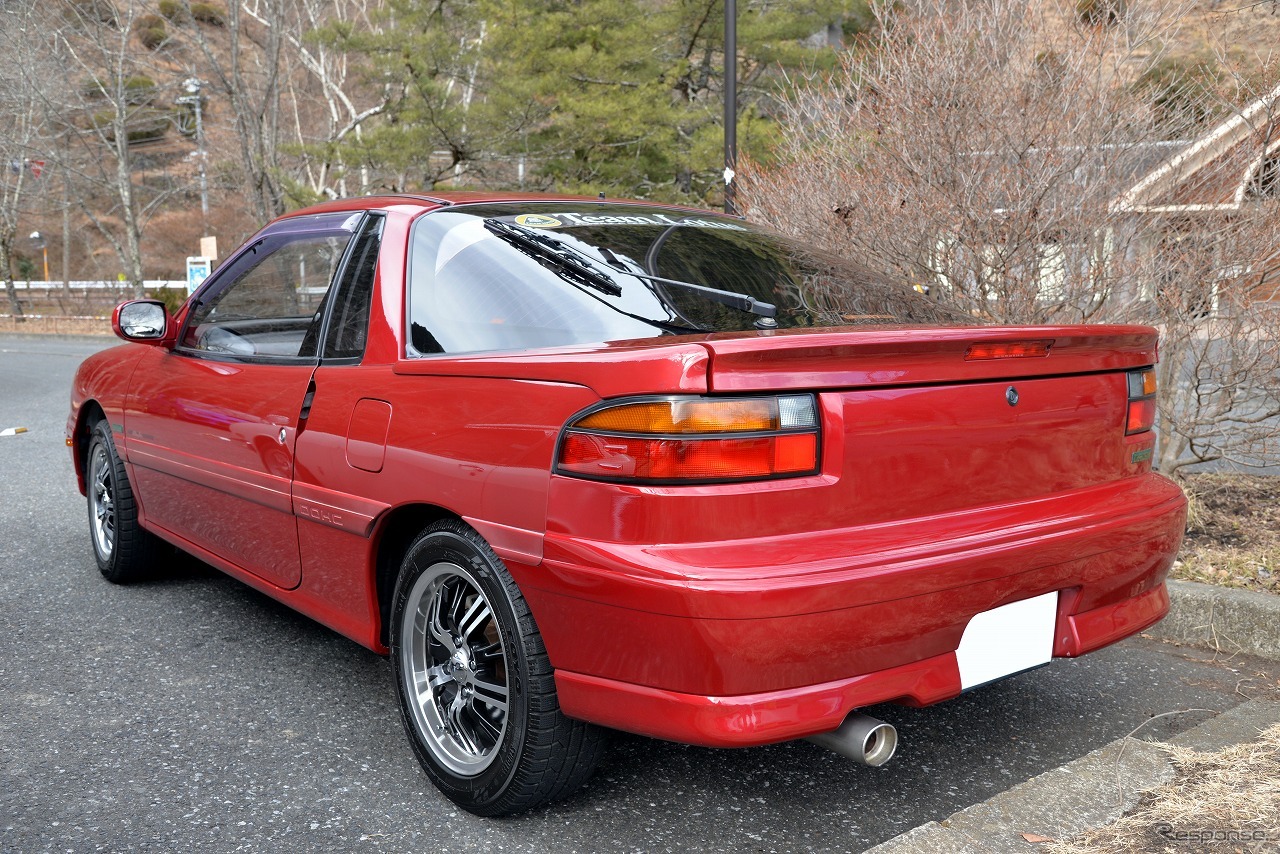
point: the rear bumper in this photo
(753, 641)
(754, 719)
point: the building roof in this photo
(1220, 170)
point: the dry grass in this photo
(1233, 533)
(1227, 801)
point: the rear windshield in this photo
(474, 286)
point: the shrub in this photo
(145, 125)
(209, 13)
(151, 31)
(153, 38)
(139, 89)
(136, 90)
(1100, 12)
(145, 128)
(173, 298)
(94, 11)
(1179, 88)
(859, 20)
(175, 10)
(92, 90)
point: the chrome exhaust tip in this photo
(861, 738)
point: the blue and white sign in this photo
(198, 268)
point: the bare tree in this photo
(106, 99)
(988, 150)
(249, 66)
(1218, 306)
(24, 75)
(329, 101)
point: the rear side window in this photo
(472, 292)
(349, 320)
(475, 287)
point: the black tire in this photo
(477, 693)
(125, 552)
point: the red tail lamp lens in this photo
(634, 458)
(1006, 350)
(1141, 415)
(694, 440)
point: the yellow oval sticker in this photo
(538, 221)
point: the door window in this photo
(270, 303)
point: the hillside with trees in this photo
(303, 100)
(990, 151)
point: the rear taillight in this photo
(1141, 415)
(693, 440)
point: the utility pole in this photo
(193, 85)
(730, 103)
(38, 241)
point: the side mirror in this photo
(143, 321)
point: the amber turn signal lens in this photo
(1142, 383)
(687, 416)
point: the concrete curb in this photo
(1222, 619)
(1099, 788)
(1092, 791)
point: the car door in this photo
(211, 424)
(340, 451)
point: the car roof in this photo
(433, 201)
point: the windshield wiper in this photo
(742, 302)
(585, 270)
(576, 267)
(566, 260)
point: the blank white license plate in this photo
(1007, 640)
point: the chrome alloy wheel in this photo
(102, 506)
(454, 667)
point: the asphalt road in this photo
(192, 713)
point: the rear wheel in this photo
(477, 692)
(124, 551)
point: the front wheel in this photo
(477, 692)
(124, 550)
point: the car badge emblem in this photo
(1011, 395)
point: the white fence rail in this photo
(149, 284)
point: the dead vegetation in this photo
(1227, 801)
(1233, 532)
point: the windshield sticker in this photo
(537, 221)
(565, 219)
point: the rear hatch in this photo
(924, 421)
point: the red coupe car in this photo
(577, 464)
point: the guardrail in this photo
(58, 324)
(73, 307)
(149, 284)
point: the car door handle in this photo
(306, 401)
